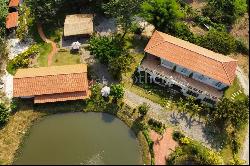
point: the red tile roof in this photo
(61, 97)
(193, 57)
(14, 3)
(50, 84)
(12, 20)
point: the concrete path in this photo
(192, 127)
(45, 39)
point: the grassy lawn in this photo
(65, 58)
(44, 49)
(235, 87)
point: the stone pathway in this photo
(163, 145)
(44, 38)
(192, 127)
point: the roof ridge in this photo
(226, 71)
(195, 51)
(49, 75)
(157, 43)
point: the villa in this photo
(191, 69)
(52, 84)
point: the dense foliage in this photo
(44, 12)
(110, 50)
(24, 21)
(22, 60)
(3, 14)
(117, 91)
(192, 152)
(157, 126)
(218, 41)
(123, 11)
(143, 109)
(225, 11)
(163, 14)
(4, 114)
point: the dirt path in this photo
(44, 38)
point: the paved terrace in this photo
(152, 64)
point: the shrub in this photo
(135, 28)
(201, 20)
(22, 60)
(143, 109)
(184, 140)
(4, 114)
(117, 91)
(241, 47)
(159, 127)
(218, 41)
(106, 48)
(177, 135)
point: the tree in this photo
(123, 11)
(3, 53)
(218, 41)
(25, 21)
(163, 14)
(120, 65)
(106, 48)
(4, 114)
(44, 12)
(225, 11)
(117, 91)
(143, 109)
(229, 112)
(3, 15)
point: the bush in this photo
(177, 135)
(184, 140)
(143, 109)
(159, 127)
(135, 28)
(241, 47)
(218, 41)
(22, 60)
(117, 91)
(4, 114)
(201, 20)
(106, 48)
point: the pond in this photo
(80, 138)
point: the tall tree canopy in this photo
(163, 14)
(123, 11)
(225, 11)
(44, 12)
(3, 14)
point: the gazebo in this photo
(78, 25)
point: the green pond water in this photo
(80, 138)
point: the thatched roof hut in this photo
(78, 24)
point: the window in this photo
(209, 101)
(200, 91)
(201, 77)
(189, 92)
(184, 70)
(218, 84)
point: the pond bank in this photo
(13, 133)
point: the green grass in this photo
(235, 87)
(65, 58)
(44, 50)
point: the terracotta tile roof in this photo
(191, 56)
(50, 81)
(14, 3)
(150, 62)
(61, 97)
(52, 70)
(12, 20)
